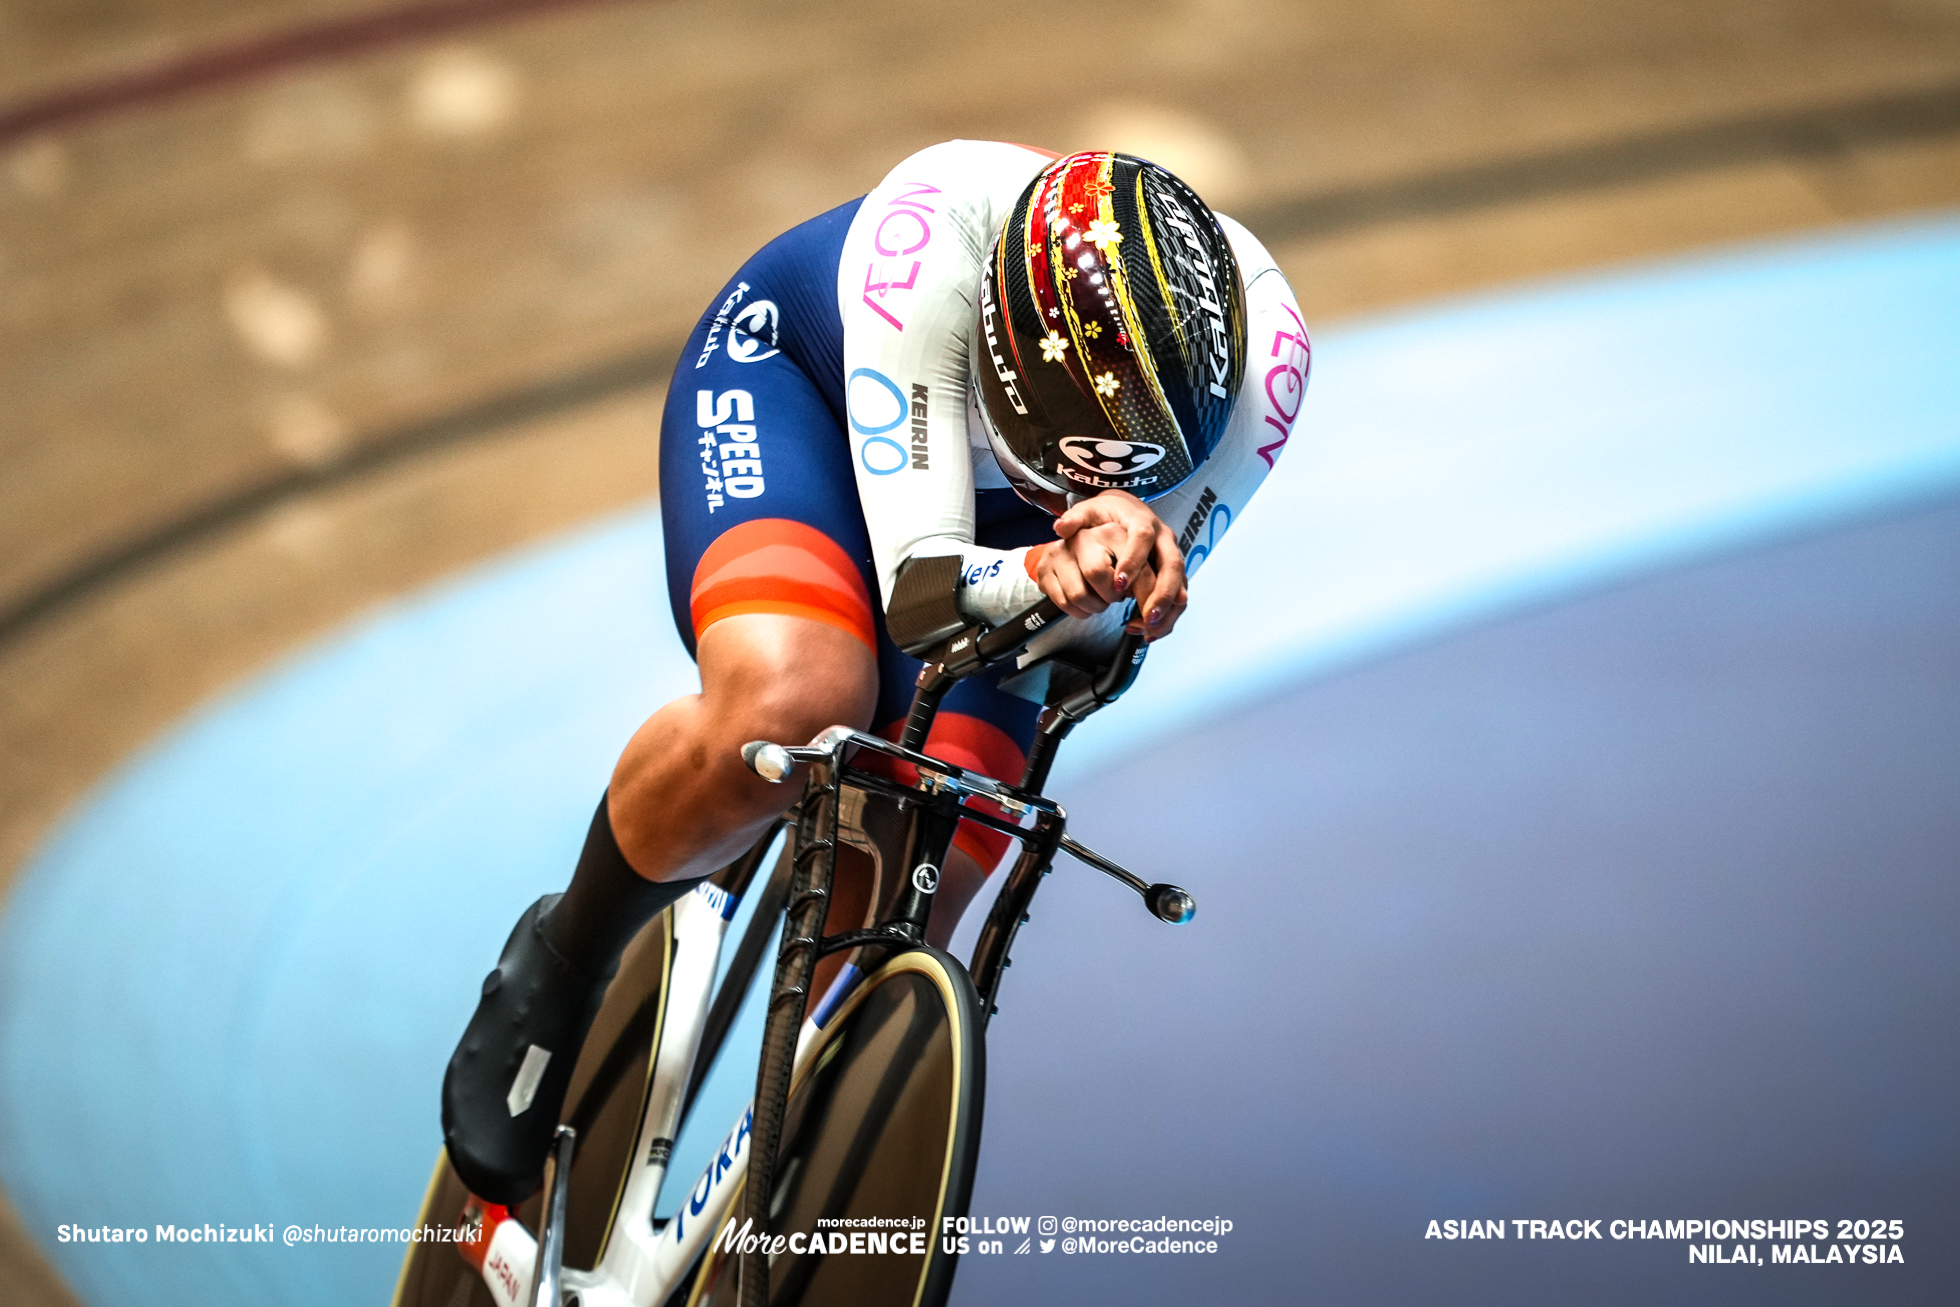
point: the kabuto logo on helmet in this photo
(1110, 457)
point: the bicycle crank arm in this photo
(1166, 902)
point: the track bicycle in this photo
(866, 1118)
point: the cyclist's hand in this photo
(1113, 547)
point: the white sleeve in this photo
(1277, 360)
(908, 286)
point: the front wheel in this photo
(880, 1136)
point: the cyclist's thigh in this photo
(758, 500)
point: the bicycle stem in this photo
(932, 819)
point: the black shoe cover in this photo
(506, 1083)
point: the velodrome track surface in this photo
(307, 304)
(1574, 838)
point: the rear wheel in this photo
(607, 1094)
(880, 1136)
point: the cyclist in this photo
(998, 355)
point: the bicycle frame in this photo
(642, 1262)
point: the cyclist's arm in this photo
(906, 286)
(1275, 381)
(1198, 513)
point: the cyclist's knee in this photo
(776, 677)
(680, 793)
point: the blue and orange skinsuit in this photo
(791, 538)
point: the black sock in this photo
(606, 903)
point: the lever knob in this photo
(769, 761)
(1171, 904)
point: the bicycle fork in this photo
(933, 814)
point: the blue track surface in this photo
(228, 985)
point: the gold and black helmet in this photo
(1111, 334)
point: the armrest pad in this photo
(924, 607)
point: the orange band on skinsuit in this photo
(978, 746)
(774, 565)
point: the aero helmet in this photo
(1111, 334)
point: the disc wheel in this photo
(604, 1102)
(880, 1137)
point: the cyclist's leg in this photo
(683, 802)
(980, 728)
(779, 613)
(768, 562)
(989, 731)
